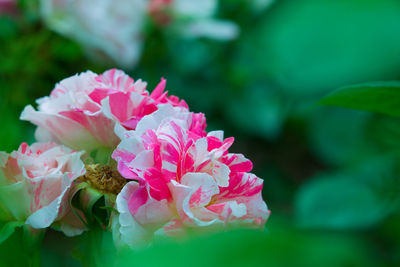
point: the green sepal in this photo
(8, 229)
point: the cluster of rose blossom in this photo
(121, 33)
(161, 172)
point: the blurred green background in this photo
(331, 175)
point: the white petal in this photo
(221, 174)
(143, 160)
(45, 216)
(195, 8)
(126, 230)
(217, 134)
(213, 29)
(164, 113)
(183, 193)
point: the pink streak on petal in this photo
(241, 185)
(119, 105)
(24, 147)
(217, 208)
(137, 199)
(99, 94)
(213, 143)
(159, 90)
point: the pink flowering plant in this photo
(145, 156)
(35, 182)
(124, 27)
(82, 110)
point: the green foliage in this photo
(384, 131)
(312, 46)
(339, 201)
(22, 247)
(96, 248)
(284, 247)
(381, 97)
(339, 136)
(7, 229)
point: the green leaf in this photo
(8, 229)
(380, 97)
(112, 209)
(337, 136)
(14, 252)
(88, 198)
(384, 132)
(95, 248)
(339, 201)
(307, 50)
(250, 248)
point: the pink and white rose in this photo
(34, 186)
(108, 29)
(121, 34)
(193, 18)
(82, 110)
(181, 176)
(182, 179)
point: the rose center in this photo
(104, 178)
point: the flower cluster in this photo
(121, 33)
(164, 173)
(35, 183)
(82, 110)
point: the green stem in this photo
(32, 239)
